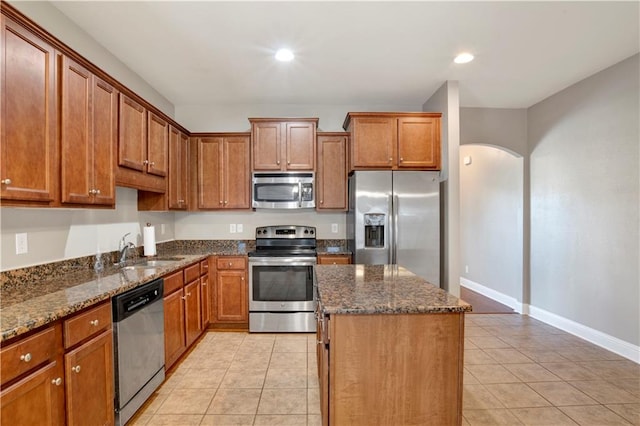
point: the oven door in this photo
(281, 284)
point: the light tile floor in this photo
(518, 371)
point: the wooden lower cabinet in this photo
(391, 369)
(334, 259)
(37, 399)
(192, 311)
(230, 294)
(184, 310)
(89, 382)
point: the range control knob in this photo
(311, 232)
(306, 231)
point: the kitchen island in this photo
(390, 347)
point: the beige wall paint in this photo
(446, 100)
(58, 234)
(585, 202)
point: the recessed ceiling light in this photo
(284, 55)
(463, 58)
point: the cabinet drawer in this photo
(231, 263)
(173, 282)
(191, 273)
(340, 259)
(28, 353)
(85, 325)
(204, 267)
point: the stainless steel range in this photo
(281, 297)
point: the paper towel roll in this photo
(149, 240)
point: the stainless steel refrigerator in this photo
(394, 218)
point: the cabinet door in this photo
(373, 142)
(178, 169)
(419, 143)
(158, 141)
(300, 145)
(210, 158)
(205, 308)
(28, 158)
(90, 381)
(76, 133)
(237, 173)
(231, 296)
(193, 318)
(266, 140)
(38, 399)
(331, 175)
(174, 331)
(105, 140)
(132, 135)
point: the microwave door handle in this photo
(299, 194)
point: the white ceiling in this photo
(200, 53)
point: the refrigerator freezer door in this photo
(370, 201)
(417, 209)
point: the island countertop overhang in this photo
(380, 289)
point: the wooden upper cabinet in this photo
(283, 144)
(223, 171)
(388, 140)
(88, 133)
(29, 159)
(331, 175)
(158, 140)
(178, 169)
(132, 138)
(419, 142)
(143, 140)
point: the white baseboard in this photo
(594, 336)
(606, 341)
(492, 294)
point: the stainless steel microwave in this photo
(283, 190)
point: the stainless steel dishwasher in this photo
(138, 334)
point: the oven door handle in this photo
(300, 194)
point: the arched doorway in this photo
(491, 223)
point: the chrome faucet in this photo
(123, 247)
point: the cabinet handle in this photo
(145, 162)
(97, 192)
(242, 279)
(181, 201)
(76, 369)
(152, 163)
(230, 264)
(94, 323)
(401, 159)
(92, 191)
(390, 158)
(321, 202)
(288, 162)
(6, 181)
(225, 201)
(57, 381)
(189, 294)
(183, 297)
(278, 162)
(26, 357)
(220, 201)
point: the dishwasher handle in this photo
(127, 304)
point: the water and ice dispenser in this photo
(374, 230)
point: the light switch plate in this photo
(232, 228)
(239, 227)
(22, 245)
(334, 228)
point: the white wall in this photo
(56, 23)
(585, 217)
(59, 234)
(503, 127)
(447, 100)
(491, 221)
(234, 118)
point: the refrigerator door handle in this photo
(390, 236)
(396, 209)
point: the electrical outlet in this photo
(334, 228)
(466, 269)
(239, 227)
(162, 229)
(22, 246)
(232, 228)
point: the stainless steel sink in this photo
(152, 263)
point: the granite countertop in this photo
(38, 301)
(380, 289)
